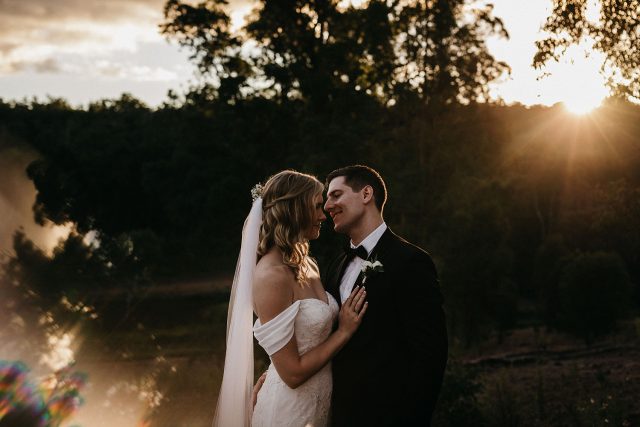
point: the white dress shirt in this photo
(353, 268)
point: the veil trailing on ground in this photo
(234, 402)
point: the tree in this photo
(318, 51)
(476, 260)
(73, 269)
(315, 50)
(205, 30)
(550, 259)
(442, 54)
(616, 33)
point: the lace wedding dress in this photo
(307, 405)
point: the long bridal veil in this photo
(234, 401)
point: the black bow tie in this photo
(351, 253)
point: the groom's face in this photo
(345, 206)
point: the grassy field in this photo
(531, 378)
(157, 361)
(537, 378)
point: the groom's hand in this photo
(257, 387)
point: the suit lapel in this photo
(380, 249)
(379, 252)
(382, 252)
(334, 284)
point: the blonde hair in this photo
(287, 203)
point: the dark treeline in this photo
(532, 214)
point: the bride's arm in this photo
(272, 295)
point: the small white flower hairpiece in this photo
(256, 191)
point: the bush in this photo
(502, 403)
(458, 403)
(594, 293)
(550, 258)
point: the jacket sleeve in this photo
(422, 320)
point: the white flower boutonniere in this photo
(369, 268)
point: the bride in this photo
(278, 280)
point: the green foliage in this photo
(614, 33)
(443, 49)
(75, 268)
(550, 258)
(594, 293)
(319, 51)
(477, 261)
(499, 195)
(204, 29)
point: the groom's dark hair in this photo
(359, 176)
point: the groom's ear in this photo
(367, 194)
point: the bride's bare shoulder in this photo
(272, 276)
(273, 284)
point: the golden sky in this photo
(85, 50)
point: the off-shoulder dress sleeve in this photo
(277, 332)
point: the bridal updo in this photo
(287, 204)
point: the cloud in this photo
(48, 65)
(139, 73)
(35, 33)
(83, 50)
(87, 10)
(6, 48)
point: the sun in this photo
(577, 80)
(583, 103)
(583, 88)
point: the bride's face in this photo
(317, 216)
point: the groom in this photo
(390, 372)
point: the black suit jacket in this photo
(391, 370)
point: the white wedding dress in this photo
(308, 405)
